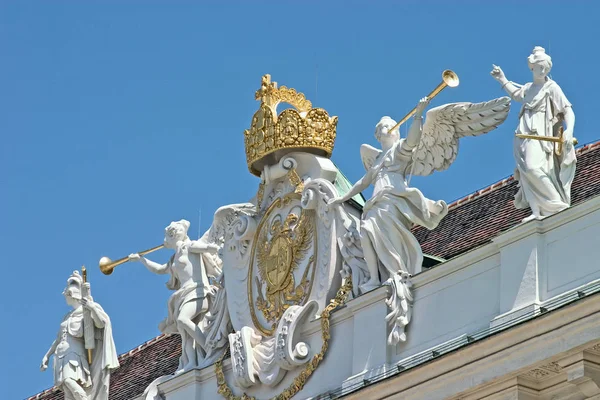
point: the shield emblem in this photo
(282, 265)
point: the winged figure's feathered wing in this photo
(445, 125)
(368, 154)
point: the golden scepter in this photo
(558, 141)
(88, 322)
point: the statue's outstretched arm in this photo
(510, 88)
(150, 265)
(413, 138)
(414, 135)
(362, 184)
(154, 266)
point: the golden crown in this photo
(271, 136)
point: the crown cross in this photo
(266, 89)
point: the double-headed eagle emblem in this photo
(281, 249)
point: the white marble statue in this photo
(389, 247)
(73, 373)
(544, 177)
(190, 268)
(198, 310)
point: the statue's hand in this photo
(135, 257)
(423, 103)
(86, 302)
(497, 73)
(44, 365)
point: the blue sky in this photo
(119, 117)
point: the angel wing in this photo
(368, 154)
(446, 124)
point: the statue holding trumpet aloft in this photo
(194, 262)
(391, 251)
(543, 149)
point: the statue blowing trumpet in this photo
(107, 265)
(449, 79)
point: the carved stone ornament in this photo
(285, 277)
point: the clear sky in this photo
(119, 117)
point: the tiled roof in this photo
(471, 222)
(474, 220)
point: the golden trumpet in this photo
(449, 79)
(107, 265)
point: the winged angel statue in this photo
(388, 246)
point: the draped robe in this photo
(70, 357)
(393, 209)
(544, 178)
